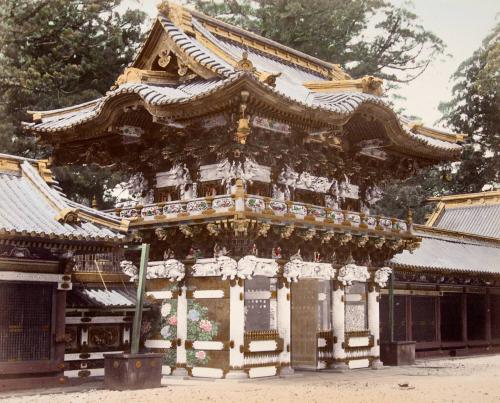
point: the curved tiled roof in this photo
(343, 104)
(30, 208)
(289, 86)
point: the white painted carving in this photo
(250, 265)
(130, 193)
(305, 180)
(297, 268)
(348, 190)
(171, 269)
(129, 269)
(177, 176)
(218, 266)
(351, 272)
(382, 276)
(226, 172)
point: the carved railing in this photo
(260, 205)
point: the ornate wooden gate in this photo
(304, 323)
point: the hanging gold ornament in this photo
(243, 130)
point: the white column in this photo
(374, 323)
(180, 369)
(284, 320)
(236, 330)
(338, 327)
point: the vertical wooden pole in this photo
(488, 316)
(136, 328)
(464, 317)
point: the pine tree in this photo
(57, 53)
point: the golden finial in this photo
(94, 202)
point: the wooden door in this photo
(304, 323)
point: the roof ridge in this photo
(466, 236)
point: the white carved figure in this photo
(305, 180)
(219, 266)
(297, 268)
(170, 268)
(129, 269)
(130, 193)
(250, 265)
(228, 267)
(331, 202)
(292, 270)
(351, 273)
(382, 276)
(277, 194)
(206, 267)
(288, 177)
(178, 176)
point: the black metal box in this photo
(132, 371)
(397, 353)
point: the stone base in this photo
(236, 374)
(180, 371)
(376, 364)
(338, 367)
(398, 353)
(287, 371)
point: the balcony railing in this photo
(259, 206)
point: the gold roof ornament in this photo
(243, 129)
(68, 215)
(269, 78)
(245, 64)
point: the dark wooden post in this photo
(487, 307)
(438, 319)
(464, 317)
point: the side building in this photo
(447, 292)
(42, 236)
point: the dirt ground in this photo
(474, 379)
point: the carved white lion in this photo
(250, 265)
(351, 272)
(171, 269)
(382, 276)
(222, 265)
(228, 267)
(293, 269)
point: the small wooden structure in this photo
(447, 293)
(40, 233)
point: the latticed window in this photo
(25, 321)
(260, 304)
(95, 262)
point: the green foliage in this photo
(59, 53)
(366, 37)
(473, 110)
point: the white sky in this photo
(461, 24)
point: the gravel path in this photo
(474, 379)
